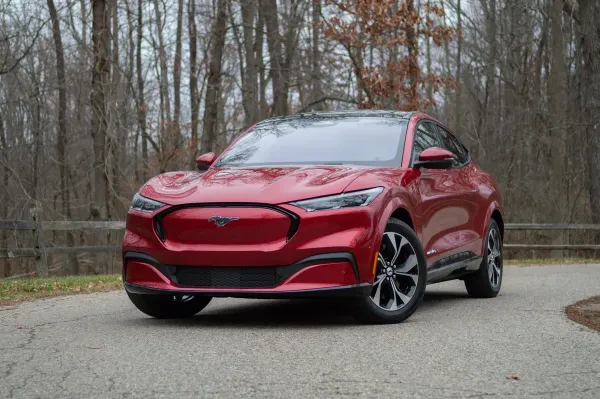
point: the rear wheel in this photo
(400, 277)
(169, 306)
(486, 282)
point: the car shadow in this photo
(433, 298)
(312, 313)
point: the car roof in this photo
(341, 115)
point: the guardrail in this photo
(41, 251)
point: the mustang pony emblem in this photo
(221, 221)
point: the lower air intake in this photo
(227, 277)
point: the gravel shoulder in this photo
(520, 344)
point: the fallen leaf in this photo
(513, 377)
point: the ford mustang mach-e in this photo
(367, 205)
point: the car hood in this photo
(269, 185)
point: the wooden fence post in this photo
(41, 260)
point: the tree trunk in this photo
(38, 135)
(4, 236)
(130, 85)
(99, 126)
(428, 60)
(317, 90)
(457, 100)
(412, 101)
(194, 100)
(590, 15)
(116, 134)
(177, 77)
(269, 12)
(250, 90)
(166, 121)
(264, 106)
(291, 42)
(490, 74)
(211, 103)
(557, 93)
(61, 146)
(141, 105)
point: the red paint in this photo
(435, 154)
(144, 274)
(449, 208)
(269, 185)
(206, 159)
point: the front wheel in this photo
(486, 282)
(400, 277)
(169, 306)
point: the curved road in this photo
(100, 346)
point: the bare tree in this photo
(269, 13)
(99, 127)
(141, 103)
(250, 93)
(194, 101)
(62, 130)
(177, 76)
(590, 15)
(211, 106)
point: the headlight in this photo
(345, 200)
(143, 204)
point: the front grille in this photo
(227, 277)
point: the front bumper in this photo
(188, 241)
(331, 274)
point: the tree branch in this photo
(327, 98)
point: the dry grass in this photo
(18, 290)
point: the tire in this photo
(169, 306)
(486, 282)
(408, 275)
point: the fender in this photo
(393, 204)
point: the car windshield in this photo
(314, 139)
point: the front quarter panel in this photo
(398, 193)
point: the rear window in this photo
(374, 141)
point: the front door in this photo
(440, 204)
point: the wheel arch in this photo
(403, 215)
(399, 208)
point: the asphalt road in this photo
(99, 345)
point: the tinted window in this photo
(425, 137)
(452, 144)
(321, 140)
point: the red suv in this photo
(368, 205)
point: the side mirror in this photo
(435, 158)
(204, 161)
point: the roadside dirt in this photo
(586, 312)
